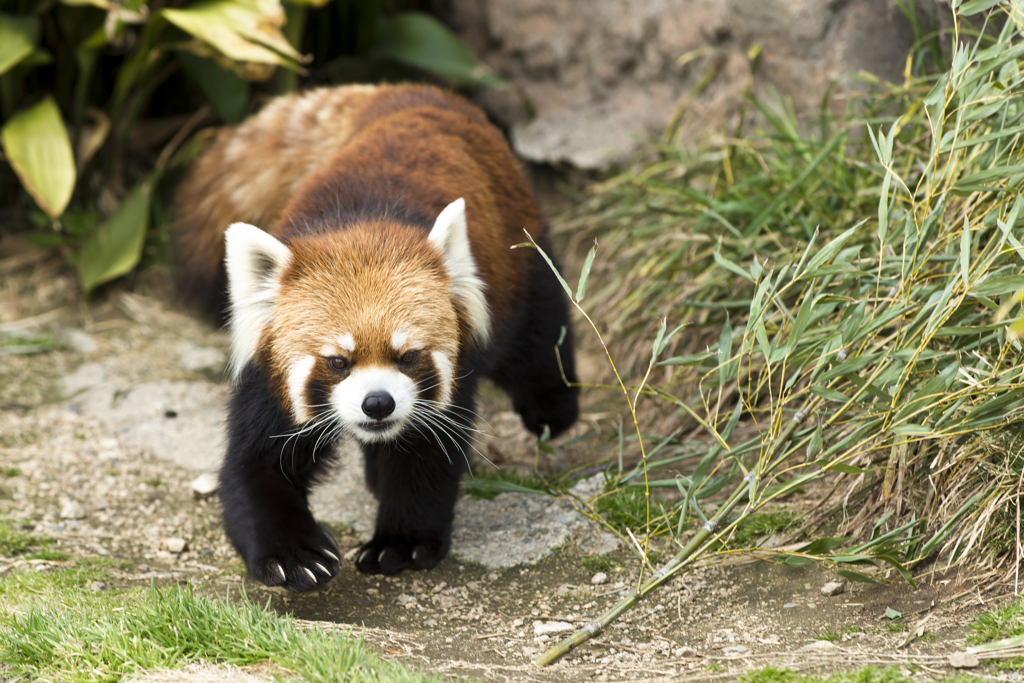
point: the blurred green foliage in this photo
(101, 100)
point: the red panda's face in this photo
(362, 328)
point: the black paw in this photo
(298, 562)
(557, 409)
(390, 556)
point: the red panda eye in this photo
(337, 363)
(409, 357)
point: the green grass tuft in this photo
(772, 674)
(71, 633)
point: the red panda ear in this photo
(450, 236)
(255, 261)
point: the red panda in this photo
(383, 289)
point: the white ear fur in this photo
(255, 261)
(450, 236)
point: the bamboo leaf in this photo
(581, 288)
(965, 253)
(829, 394)
(730, 266)
(37, 147)
(688, 360)
(857, 576)
(823, 546)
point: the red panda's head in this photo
(361, 328)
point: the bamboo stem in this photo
(685, 556)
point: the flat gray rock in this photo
(180, 422)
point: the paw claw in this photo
(280, 571)
(321, 568)
(330, 555)
(312, 576)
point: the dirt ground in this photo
(74, 482)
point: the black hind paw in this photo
(391, 555)
(299, 562)
(557, 409)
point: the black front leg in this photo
(416, 480)
(264, 490)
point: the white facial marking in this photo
(328, 350)
(446, 371)
(450, 236)
(346, 342)
(254, 263)
(298, 376)
(347, 399)
(398, 339)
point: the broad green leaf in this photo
(18, 38)
(226, 91)
(892, 614)
(581, 289)
(243, 30)
(37, 147)
(116, 246)
(419, 40)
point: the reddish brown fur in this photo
(293, 158)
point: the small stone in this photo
(599, 578)
(406, 600)
(541, 628)
(98, 503)
(72, 510)
(196, 358)
(76, 340)
(735, 650)
(685, 652)
(833, 588)
(204, 485)
(175, 544)
(820, 646)
(789, 605)
(964, 660)
(98, 586)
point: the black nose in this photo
(378, 405)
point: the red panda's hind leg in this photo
(529, 370)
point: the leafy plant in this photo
(80, 100)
